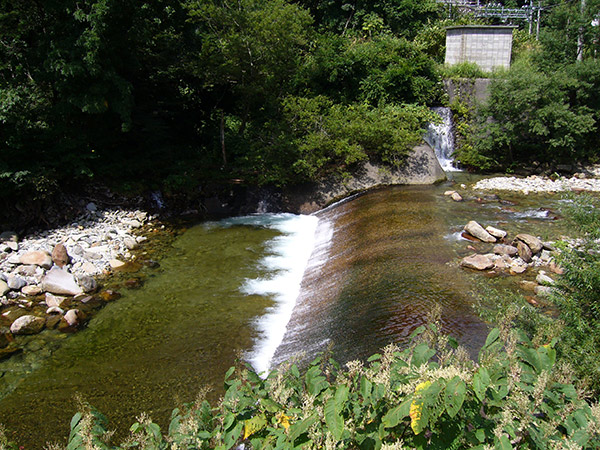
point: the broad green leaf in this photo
(421, 354)
(301, 427)
(365, 389)
(454, 395)
(395, 415)
(341, 396)
(492, 337)
(481, 381)
(333, 419)
(503, 443)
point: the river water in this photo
(375, 267)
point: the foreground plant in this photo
(428, 396)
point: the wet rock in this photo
(6, 353)
(456, 197)
(532, 242)
(528, 285)
(55, 300)
(133, 283)
(28, 324)
(524, 251)
(88, 284)
(544, 279)
(15, 283)
(6, 337)
(477, 262)
(73, 317)
(60, 257)
(517, 268)
(91, 207)
(53, 321)
(38, 258)
(130, 243)
(31, 290)
(497, 233)
(109, 295)
(116, 264)
(449, 193)
(151, 263)
(59, 281)
(55, 310)
(503, 249)
(3, 288)
(476, 230)
(92, 301)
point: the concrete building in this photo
(487, 46)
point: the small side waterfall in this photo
(441, 138)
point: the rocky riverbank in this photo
(577, 183)
(51, 279)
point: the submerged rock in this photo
(28, 325)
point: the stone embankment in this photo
(577, 183)
(47, 280)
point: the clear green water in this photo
(393, 254)
(155, 347)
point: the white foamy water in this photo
(287, 260)
(440, 138)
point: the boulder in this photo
(59, 281)
(87, 283)
(60, 257)
(130, 243)
(73, 317)
(31, 290)
(497, 233)
(15, 283)
(544, 279)
(38, 258)
(54, 300)
(477, 262)
(532, 242)
(456, 197)
(3, 288)
(28, 325)
(502, 249)
(54, 310)
(476, 230)
(524, 251)
(116, 264)
(517, 268)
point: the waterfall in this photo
(441, 138)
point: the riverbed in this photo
(379, 263)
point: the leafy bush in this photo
(430, 395)
(465, 69)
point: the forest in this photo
(174, 94)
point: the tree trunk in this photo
(224, 153)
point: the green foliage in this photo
(535, 116)
(578, 293)
(427, 396)
(463, 70)
(322, 137)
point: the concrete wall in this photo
(487, 46)
(470, 91)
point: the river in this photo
(375, 266)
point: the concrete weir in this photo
(421, 167)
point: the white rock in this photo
(3, 288)
(497, 233)
(476, 230)
(55, 310)
(38, 257)
(456, 197)
(31, 290)
(116, 264)
(27, 325)
(54, 300)
(544, 279)
(59, 281)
